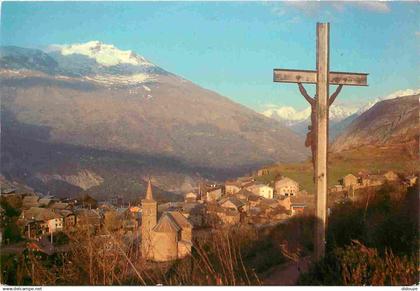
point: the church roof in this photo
(180, 219)
(166, 224)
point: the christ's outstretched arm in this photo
(305, 94)
(333, 96)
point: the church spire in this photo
(149, 192)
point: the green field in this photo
(368, 159)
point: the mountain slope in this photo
(388, 122)
(97, 97)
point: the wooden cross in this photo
(322, 77)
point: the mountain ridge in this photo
(390, 121)
(162, 116)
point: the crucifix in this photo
(318, 133)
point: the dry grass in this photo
(108, 259)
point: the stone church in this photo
(166, 239)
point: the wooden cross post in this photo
(322, 77)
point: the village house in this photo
(243, 194)
(232, 187)
(349, 180)
(279, 214)
(169, 206)
(213, 194)
(42, 221)
(262, 190)
(86, 201)
(191, 197)
(336, 188)
(7, 191)
(104, 206)
(60, 206)
(269, 203)
(69, 218)
(229, 216)
(391, 176)
(372, 180)
(245, 181)
(254, 200)
(166, 239)
(298, 208)
(221, 216)
(46, 201)
(194, 212)
(298, 205)
(232, 203)
(88, 218)
(263, 172)
(30, 201)
(286, 187)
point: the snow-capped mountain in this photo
(104, 54)
(93, 61)
(340, 116)
(291, 116)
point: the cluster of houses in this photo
(352, 182)
(245, 200)
(165, 230)
(45, 215)
(168, 229)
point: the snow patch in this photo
(399, 93)
(121, 79)
(293, 116)
(104, 54)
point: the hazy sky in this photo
(232, 47)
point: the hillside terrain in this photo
(86, 115)
(388, 122)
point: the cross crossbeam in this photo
(310, 77)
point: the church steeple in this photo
(149, 220)
(149, 192)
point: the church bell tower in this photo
(149, 220)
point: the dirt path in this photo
(16, 248)
(287, 274)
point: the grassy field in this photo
(369, 159)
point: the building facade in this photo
(286, 187)
(166, 239)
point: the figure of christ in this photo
(311, 135)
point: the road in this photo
(286, 274)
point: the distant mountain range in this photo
(99, 119)
(340, 116)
